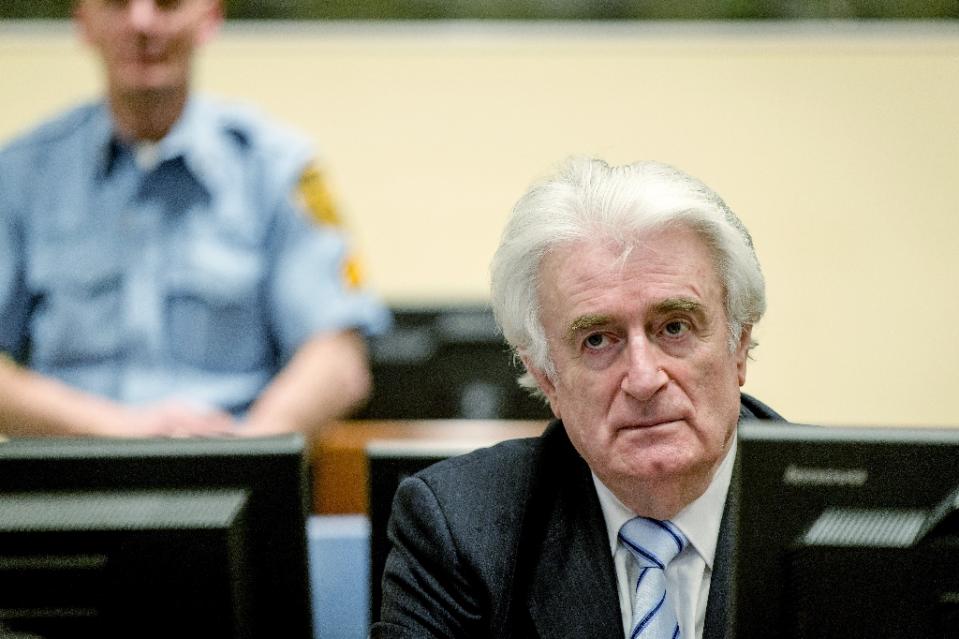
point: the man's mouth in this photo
(650, 423)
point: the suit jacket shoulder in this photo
(502, 542)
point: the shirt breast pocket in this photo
(215, 309)
(78, 306)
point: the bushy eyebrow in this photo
(585, 323)
(685, 305)
(667, 306)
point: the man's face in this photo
(147, 45)
(644, 379)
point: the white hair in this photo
(588, 199)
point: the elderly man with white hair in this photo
(629, 293)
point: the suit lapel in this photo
(572, 588)
(720, 607)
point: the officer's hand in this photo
(176, 419)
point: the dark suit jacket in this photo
(510, 541)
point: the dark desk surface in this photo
(338, 453)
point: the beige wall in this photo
(838, 145)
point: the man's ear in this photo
(212, 19)
(742, 352)
(545, 385)
(81, 21)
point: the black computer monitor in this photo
(446, 362)
(847, 532)
(389, 463)
(154, 538)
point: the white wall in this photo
(838, 145)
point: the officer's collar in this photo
(103, 140)
(193, 138)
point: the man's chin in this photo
(147, 81)
(670, 459)
(642, 435)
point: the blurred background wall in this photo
(836, 142)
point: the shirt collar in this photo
(102, 140)
(193, 137)
(699, 521)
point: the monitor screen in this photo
(446, 362)
(154, 538)
(846, 532)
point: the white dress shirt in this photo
(688, 575)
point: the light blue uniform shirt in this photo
(187, 271)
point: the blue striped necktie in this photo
(653, 544)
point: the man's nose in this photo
(645, 375)
(142, 14)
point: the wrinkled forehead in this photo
(620, 245)
(670, 268)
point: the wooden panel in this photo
(338, 453)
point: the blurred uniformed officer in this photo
(171, 265)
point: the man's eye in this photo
(676, 328)
(596, 340)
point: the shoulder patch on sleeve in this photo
(352, 273)
(316, 199)
(315, 196)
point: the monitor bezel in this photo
(787, 474)
(272, 471)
